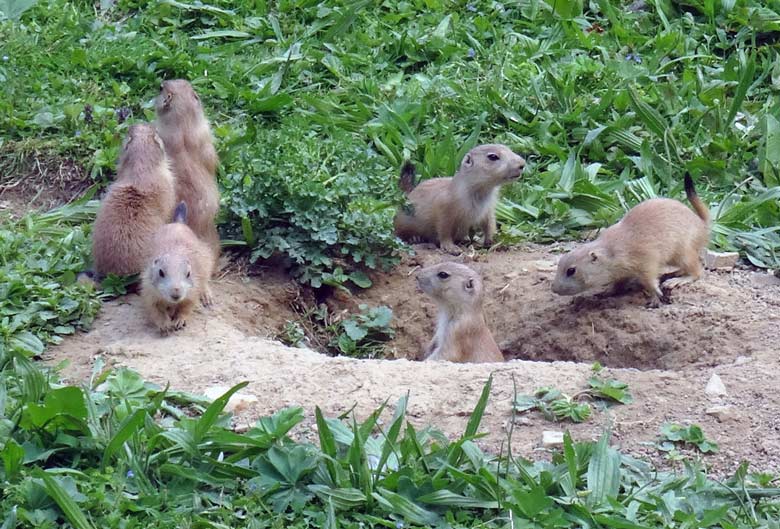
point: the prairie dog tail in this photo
(407, 179)
(180, 213)
(701, 209)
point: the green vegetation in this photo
(123, 453)
(558, 406)
(674, 435)
(316, 104)
(314, 107)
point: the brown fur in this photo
(658, 237)
(461, 332)
(444, 210)
(135, 206)
(186, 263)
(184, 129)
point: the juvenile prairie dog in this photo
(139, 202)
(658, 237)
(177, 274)
(461, 332)
(443, 210)
(186, 133)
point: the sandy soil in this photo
(724, 324)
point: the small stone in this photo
(720, 260)
(741, 360)
(523, 421)
(764, 280)
(715, 387)
(722, 413)
(545, 266)
(238, 401)
(552, 439)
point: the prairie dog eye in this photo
(162, 274)
(493, 157)
(188, 274)
(570, 272)
(443, 275)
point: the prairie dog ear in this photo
(468, 284)
(468, 161)
(595, 255)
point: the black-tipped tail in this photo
(180, 213)
(407, 180)
(690, 191)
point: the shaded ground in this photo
(724, 324)
(38, 181)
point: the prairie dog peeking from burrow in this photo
(461, 332)
(657, 237)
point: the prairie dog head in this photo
(454, 287)
(142, 147)
(492, 164)
(583, 269)
(171, 276)
(178, 101)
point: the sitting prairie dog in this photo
(186, 133)
(461, 332)
(657, 237)
(139, 202)
(443, 210)
(177, 274)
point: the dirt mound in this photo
(709, 322)
(710, 328)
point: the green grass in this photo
(314, 106)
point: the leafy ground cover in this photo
(316, 104)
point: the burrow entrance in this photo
(708, 323)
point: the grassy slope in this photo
(314, 106)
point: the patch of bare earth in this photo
(725, 324)
(38, 181)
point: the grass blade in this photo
(66, 504)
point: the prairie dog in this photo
(139, 202)
(176, 275)
(461, 332)
(186, 133)
(657, 237)
(445, 209)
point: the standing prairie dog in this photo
(443, 210)
(461, 332)
(177, 274)
(660, 236)
(140, 201)
(184, 129)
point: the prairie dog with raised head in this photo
(177, 274)
(138, 203)
(186, 133)
(461, 332)
(443, 210)
(657, 237)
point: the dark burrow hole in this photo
(622, 332)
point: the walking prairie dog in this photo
(139, 202)
(184, 129)
(657, 237)
(445, 209)
(461, 332)
(177, 274)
